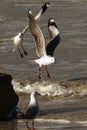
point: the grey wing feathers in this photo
(40, 44)
(31, 112)
(38, 35)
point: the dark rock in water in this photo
(8, 98)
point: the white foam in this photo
(18, 87)
(44, 88)
(62, 121)
(53, 121)
(82, 122)
(49, 88)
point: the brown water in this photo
(70, 16)
(71, 54)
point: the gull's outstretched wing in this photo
(55, 37)
(38, 35)
(41, 11)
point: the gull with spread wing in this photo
(43, 51)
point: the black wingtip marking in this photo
(29, 12)
(51, 22)
(45, 6)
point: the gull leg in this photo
(20, 53)
(27, 125)
(24, 50)
(40, 76)
(33, 125)
(48, 74)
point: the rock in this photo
(8, 97)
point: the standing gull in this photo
(33, 109)
(43, 51)
(18, 39)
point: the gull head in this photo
(34, 94)
(20, 34)
(52, 60)
(33, 98)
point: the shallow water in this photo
(68, 114)
(44, 126)
(71, 61)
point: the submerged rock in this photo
(8, 97)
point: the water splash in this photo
(52, 88)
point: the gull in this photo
(33, 109)
(18, 39)
(43, 51)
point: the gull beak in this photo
(38, 94)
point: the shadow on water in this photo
(63, 110)
(74, 128)
(78, 79)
